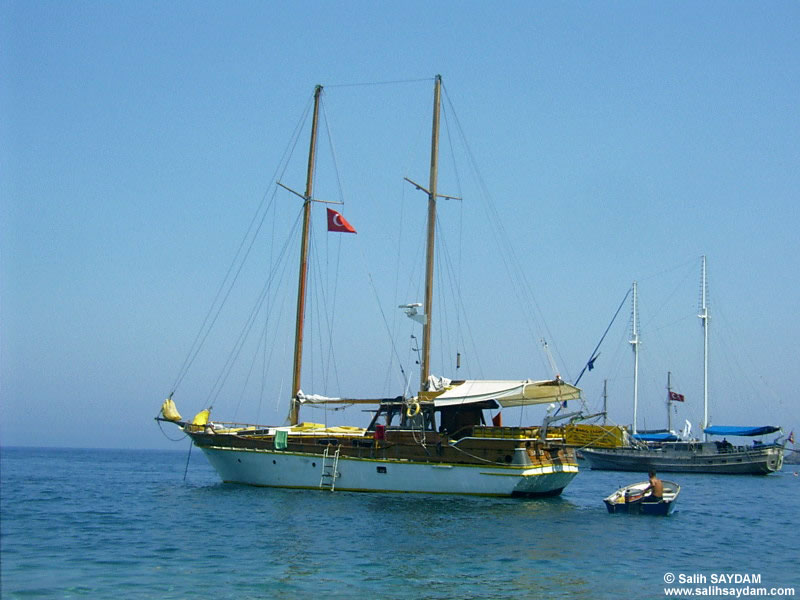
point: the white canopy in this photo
(506, 393)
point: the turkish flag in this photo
(336, 222)
(676, 397)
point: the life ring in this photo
(412, 410)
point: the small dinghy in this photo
(633, 499)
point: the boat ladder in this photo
(329, 472)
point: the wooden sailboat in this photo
(434, 442)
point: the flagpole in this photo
(669, 402)
(303, 276)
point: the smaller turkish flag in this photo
(336, 222)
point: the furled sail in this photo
(303, 398)
(317, 399)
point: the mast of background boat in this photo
(428, 306)
(301, 285)
(669, 402)
(704, 318)
(634, 341)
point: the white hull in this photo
(294, 470)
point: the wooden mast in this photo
(429, 255)
(301, 285)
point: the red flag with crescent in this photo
(337, 222)
(675, 397)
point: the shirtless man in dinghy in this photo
(656, 489)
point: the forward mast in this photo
(303, 277)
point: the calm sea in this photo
(125, 524)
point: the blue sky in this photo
(618, 141)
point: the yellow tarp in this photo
(320, 428)
(578, 435)
(582, 435)
(345, 429)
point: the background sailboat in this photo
(663, 452)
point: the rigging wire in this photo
(188, 456)
(590, 363)
(262, 343)
(160, 426)
(331, 358)
(442, 321)
(230, 280)
(510, 260)
(323, 317)
(237, 348)
(444, 258)
(383, 317)
(412, 279)
(668, 297)
(377, 83)
(456, 274)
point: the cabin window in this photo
(381, 469)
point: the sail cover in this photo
(749, 431)
(317, 399)
(506, 393)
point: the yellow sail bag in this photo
(201, 418)
(170, 411)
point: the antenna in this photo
(412, 312)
